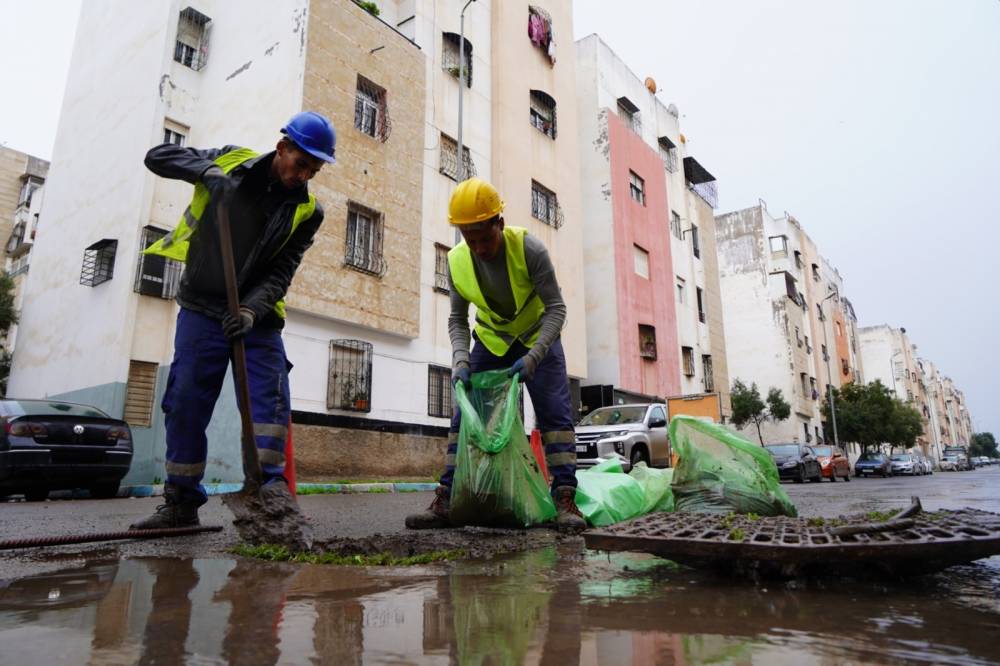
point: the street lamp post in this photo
(829, 375)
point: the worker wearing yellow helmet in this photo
(508, 275)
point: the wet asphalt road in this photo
(361, 515)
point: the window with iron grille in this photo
(449, 159)
(706, 364)
(668, 151)
(371, 114)
(450, 55)
(99, 262)
(439, 401)
(647, 342)
(680, 290)
(191, 47)
(637, 187)
(629, 113)
(675, 225)
(812, 388)
(687, 358)
(545, 205)
(363, 251)
(156, 275)
(441, 268)
(173, 136)
(349, 385)
(701, 304)
(695, 244)
(542, 113)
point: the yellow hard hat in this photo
(473, 201)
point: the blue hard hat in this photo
(313, 133)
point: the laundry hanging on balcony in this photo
(540, 31)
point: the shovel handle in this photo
(251, 461)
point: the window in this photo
(790, 289)
(815, 268)
(687, 358)
(798, 259)
(637, 187)
(450, 57)
(542, 114)
(629, 113)
(647, 342)
(680, 290)
(657, 414)
(173, 136)
(819, 310)
(695, 244)
(370, 113)
(439, 402)
(809, 348)
(191, 47)
(540, 31)
(668, 151)
(802, 301)
(675, 225)
(803, 379)
(363, 250)
(28, 188)
(812, 388)
(845, 367)
(805, 428)
(349, 385)
(155, 275)
(99, 262)
(798, 337)
(641, 260)
(545, 206)
(701, 304)
(826, 356)
(449, 159)
(779, 245)
(840, 329)
(441, 268)
(140, 393)
(706, 364)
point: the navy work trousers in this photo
(549, 391)
(202, 354)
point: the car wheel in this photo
(818, 477)
(36, 494)
(847, 476)
(104, 490)
(833, 475)
(638, 455)
(801, 478)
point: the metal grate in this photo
(441, 268)
(647, 342)
(99, 262)
(439, 398)
(542, 113)
(450, 56)
(371, 113)
(156, 275)
(349, 385)
(191, 47)
(668, 151)
(449, 159)
(706, 364)
(363, 248)
(545, 205)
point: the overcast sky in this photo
(876, 123)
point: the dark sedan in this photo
(796, 462)
(874, 464)
(52, 445)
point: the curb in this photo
(150, 490)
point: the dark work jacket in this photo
(267, 272)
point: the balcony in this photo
(701, 182)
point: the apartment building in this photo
(654, 309)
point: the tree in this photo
(8, 317)
(869, 415)
(984, 444)
(749, 408)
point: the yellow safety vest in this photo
(494, 331)
(176, 243)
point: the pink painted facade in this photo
(642, 301)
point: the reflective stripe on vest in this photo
(176, 243)
(494, 331)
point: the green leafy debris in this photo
(276, 553)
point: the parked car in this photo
(633, 433)
(796, 462)
(928, 464)
(873, 464)
(52, 445)
(949, 463)
(963, 463)
(906, 463)
(833, 462)
(980, 461)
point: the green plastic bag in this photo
(606, 495)
(498, 482)
(656, 484)
(719, 472)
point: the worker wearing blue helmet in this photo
(273, 221)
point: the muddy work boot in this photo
(175, 512)
(568, 516)
(436, 515)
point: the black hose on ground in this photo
(66, 539)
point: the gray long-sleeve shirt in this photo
(494, 282)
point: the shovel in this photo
(263, 514)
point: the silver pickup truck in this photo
(631, 433)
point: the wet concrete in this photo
(188, 601)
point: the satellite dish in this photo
(650, 84)
(672, 110)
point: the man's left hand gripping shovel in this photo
(263, 513)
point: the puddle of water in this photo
(551, 606)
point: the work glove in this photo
(218, 183)
(463, 374)
(524, 368)
(236, 327)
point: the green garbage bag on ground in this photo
(606, 495)
(498, 482)
(719, 472)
